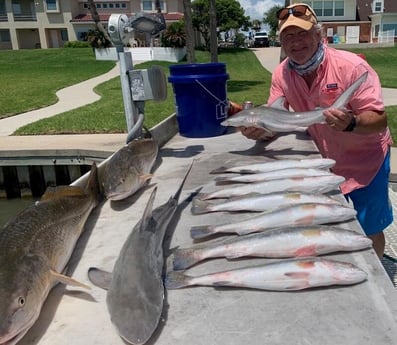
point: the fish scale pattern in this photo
(389, 261)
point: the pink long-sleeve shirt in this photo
(358, 156)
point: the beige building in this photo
(29, 24)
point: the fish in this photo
(279, 120)
(271, 175)
(135, 289)
(35, 247)
(285, 275)
(319, 163)
(128, 169)
(277, 243)
(259, 202)
(293, 215)
(310, 184)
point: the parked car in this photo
(261, 39)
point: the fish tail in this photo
(184, 258)
(219, 170)
(201, 231)
(203, 196)
(176, 280)
(222, 180)
(199, 206)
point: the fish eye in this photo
(21, 301)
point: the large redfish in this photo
(35, 248)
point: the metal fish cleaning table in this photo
(362, 314)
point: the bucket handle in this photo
(219, 100)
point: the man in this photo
(314, 75)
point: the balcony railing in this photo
(25, 17)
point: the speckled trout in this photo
(128, 169)
(260, 202)
(271, 175)
(294, 215)
(319, 163)
(286, 275)
(35, 247)
(309, 184)
(277, 243)
(279, 120)
(135, 287)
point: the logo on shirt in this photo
(332, 86)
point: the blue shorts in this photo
(372, 203)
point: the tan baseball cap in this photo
(300, 15)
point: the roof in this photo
(86, 17)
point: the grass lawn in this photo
(63, 67)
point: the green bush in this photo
(175, 35)
(76, 44)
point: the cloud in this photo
(256, 8)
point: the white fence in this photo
(386, 36)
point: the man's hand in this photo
(256, 133)
(338, 119)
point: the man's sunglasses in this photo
(296, 11)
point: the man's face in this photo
(298, 44)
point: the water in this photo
(11, 207)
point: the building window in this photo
(327, 8)
(377, 6)
(64, 35)
(52, 5)
(5, 36)
(339, 8)
(150, 5)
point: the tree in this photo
(187, 9)
(256, 25)
(229, 15)
(270, 18)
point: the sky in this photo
(256, 8)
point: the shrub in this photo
(76, 44)
(175, 35)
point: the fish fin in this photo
(93, 187)
(176, 280)
(306, 251)
(147, 213)
(219, 170)
(99, 277)
(297, 275)
(184, 258)
(145, 177)
(279, 103)
(201, 231)
(54, 193)
(178, 192)
(199, 206)
(68, 280)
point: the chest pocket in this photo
(329, 95)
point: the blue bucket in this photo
(200, 98)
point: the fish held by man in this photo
(35, 247)
(293, 215)
(279, 120)
(285, 275)
(135, 287)
(318, 163)
(277, 243)
(260, 202)
(310, 184)
(128, 169)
